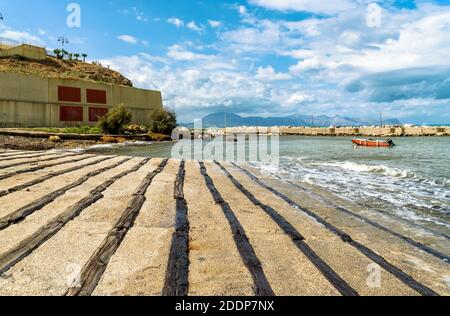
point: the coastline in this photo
(37, 140)
(302, 245)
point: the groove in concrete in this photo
(96, 266)
(38, 168)
(248, 255)
(27, 246)
(36, 161)
(25, 157)
(177, 275)
(10, 153)
(42, 179)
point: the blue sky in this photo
(352, 58)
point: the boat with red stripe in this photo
(373, 142)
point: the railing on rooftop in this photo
(9, 42)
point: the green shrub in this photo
(164, 121)
(115, 121)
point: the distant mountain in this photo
(233, 120)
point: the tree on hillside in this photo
(64, 53)
(76, 55)
(84, 57)
(164, 121)
(59, 53)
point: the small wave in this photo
(269, 168)
(138, 143)
(309, 179)
(383, 170)
(101, 147)
(124, 144)
(290, 158)
(78, 150)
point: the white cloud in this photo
(421, 43)
(176, 21)
(297, 53)
(315, 6)
(242, 10)
(139, 15)
(414, 39)
(214, 24)
(263, 36)
(193, 26)
(177, 52)
(350, 38)
(22, 37)
(268, 74)
(298, 98)
(128, 39)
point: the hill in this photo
(234, 120)
(65, 69)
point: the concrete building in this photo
(34, 101)
(24, 50)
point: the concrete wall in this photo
(348, 131)
(25, 50)
(33, 101)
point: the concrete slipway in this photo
(83, 224)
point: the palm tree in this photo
(64, 53)
(84, 57)
(58, 53)
(76, 55)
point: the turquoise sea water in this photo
(411, 180)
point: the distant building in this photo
(35, 101)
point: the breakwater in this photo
(344, 131)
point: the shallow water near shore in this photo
(411, 180)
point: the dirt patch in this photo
(64, 69)
(25, 143)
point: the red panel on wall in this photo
(96, 96)
(69, 94)
(71, 113)
(96, 113)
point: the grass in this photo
(69, 130)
